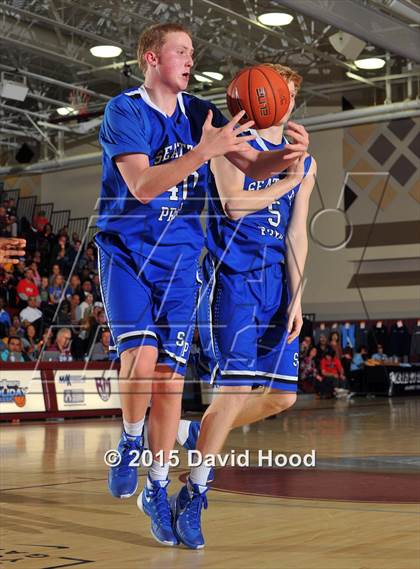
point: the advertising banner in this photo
(86, 389)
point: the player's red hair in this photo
(287, 73)
(153, 39)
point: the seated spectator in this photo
(87, 286)
(308, 371)
(73, 251)
(44, 291)
(55, 271)
(56, 290)
(26, 288)
(81, 343)
(64, 231)
(60, 255)
(31, 313)
(63, 317)
(359, 358)
(46, 341)
(75, 309)
(346, 360)
(40, 221)
(19, 329)
(101, 349)
(37, 277)
(37, 258)
(46, 241)
(379, 355)
(98, 308)
(335, 344)
(88, 260)
(332, 373)
(96, 288)
(74, 286)
(61, 346)
(31, 343)
(322, 346)
(14, 352)
(305, 346)
(5, 320)
(19, 270)
(98, 322)
(86, 306)
(85, 275)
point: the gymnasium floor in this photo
(358, 509)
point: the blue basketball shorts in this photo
(147, 305)
(242, 321)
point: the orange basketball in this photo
(262, 93)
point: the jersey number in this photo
(188, 183)
(275, 220)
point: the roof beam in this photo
(364, 22)
(293, 41)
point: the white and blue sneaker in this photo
(191, 442)
(153, 501)
(186, 509)
(123, 478)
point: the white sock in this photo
(133, 429)
(182, 434)
(158, 472)
(199, 474)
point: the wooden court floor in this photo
(357, 509)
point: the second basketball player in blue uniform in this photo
(157, 141)
(250, 311)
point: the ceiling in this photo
(46, 43)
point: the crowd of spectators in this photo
(44, 313)
(330, 371)
(51, 308)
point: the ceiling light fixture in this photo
(202, 78)
(64, 111)
(105, 51)
(351, 75)
(213, 75)
(275, 19)
(370, 63)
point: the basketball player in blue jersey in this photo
(157, 141)
(250, 313)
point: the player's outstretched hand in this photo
(11, 248)
(220, 141)
(300, 141)
(294, 322)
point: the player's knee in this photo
(167, 382)
(138, 363)
(281, 401)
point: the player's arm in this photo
(147, 182)
(262, 165)
(297, 250)
(236, 202)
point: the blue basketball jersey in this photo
(256, 240)
(168, 228)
